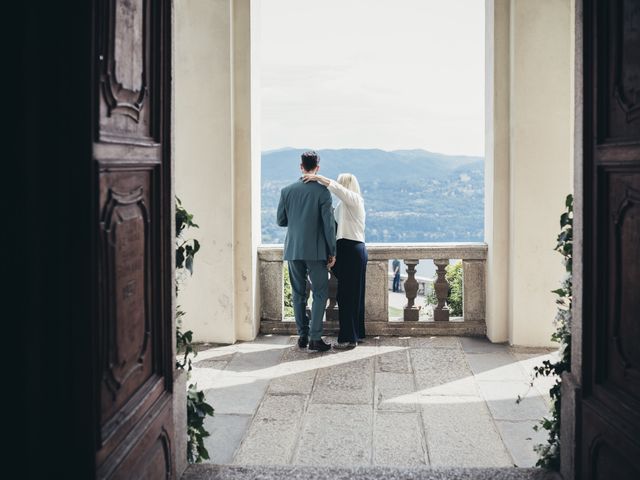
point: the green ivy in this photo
(549, 453)
(454, 298)
(197, 410)
(197, 407)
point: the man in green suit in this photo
(309, 248)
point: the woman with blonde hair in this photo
(351, 256)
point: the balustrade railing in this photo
(378, 321)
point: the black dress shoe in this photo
(303, 341)
(319, 346)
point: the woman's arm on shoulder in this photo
(344, 194)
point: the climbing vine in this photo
(549, 453)
(197, 407)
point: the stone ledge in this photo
(470, 329)
(387, 251)
(229, 472)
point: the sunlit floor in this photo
(434, 401)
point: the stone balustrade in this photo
(472, 321)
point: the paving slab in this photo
(441, 371)
(225, 435)
(520, 438)
(434, 342)
(496, 366)
(500, 397)
(395, 361)
(481, 345)
(273, 432)
(254, 360)
(233, 394)
(336, 435)
(461, 433)
(384, 341)
(350, 382)
(398, 439)
(210, 363)
(395, 392)
(295, 383)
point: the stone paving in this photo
(392, 401)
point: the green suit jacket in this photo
(305, 209)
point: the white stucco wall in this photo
(213, 164)
(528, 169)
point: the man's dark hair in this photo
(310, 160)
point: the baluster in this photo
(411, 311)
(332, 308)
(441, 287)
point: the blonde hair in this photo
(350, 182)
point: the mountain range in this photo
(410, 195)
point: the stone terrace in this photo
(392, 401)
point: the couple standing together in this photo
(314, 244)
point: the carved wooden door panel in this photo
(609, 415)
(131, 156)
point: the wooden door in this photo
(609, 413)
(134, 241)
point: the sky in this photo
(389, 74)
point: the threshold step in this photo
(298, 472)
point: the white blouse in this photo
(349, 213)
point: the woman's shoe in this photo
(344, 345)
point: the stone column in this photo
(332, 308)
(376, 298)
(411, 311)
(473, 290)
(441, 287)
(271, 290)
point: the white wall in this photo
(215, 176)
(529, 170)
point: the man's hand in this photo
(331, 261)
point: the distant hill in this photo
(410, 195)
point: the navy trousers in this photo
(350, 270)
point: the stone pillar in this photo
(411, 312)
(332, 308)
(473, 290)
(376, 298)
(441, 287)
(271, 290)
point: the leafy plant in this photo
(197, 410)
(454, 298)
(549, 453)
(197, 407)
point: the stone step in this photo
(294, 472)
